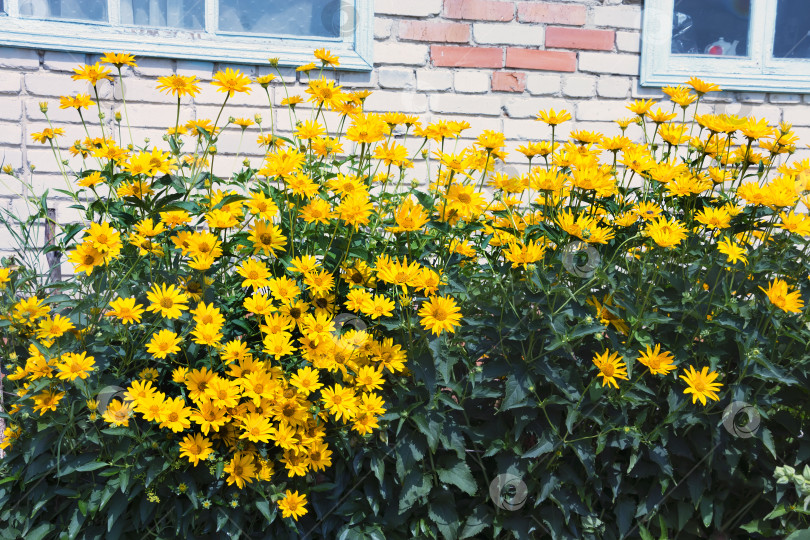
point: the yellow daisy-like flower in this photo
(75, 365)
(701, 384)
(231, 81)
(266, 238)
(702, 87)
(256, 274)
(610, 367)
(732, 250)
(118, 59)
(666, 233)
(168, 301)
(306, 380)
(47, 401)
(293, 505)
(117, 413)
(440, 314)
(790, 302)
(659, 363)
(552, 117)
(241, 469)
(340, 402)
(92, 73)
(328, 59)
(163, 344)
(195, 448)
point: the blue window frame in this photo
(234, 31)
(749, 45)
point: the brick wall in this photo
(493, 63)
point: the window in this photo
(236, 31)
(749, 45)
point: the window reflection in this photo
(295, 17)
(792, 28)
(711, 27)
(173, 13)
(85, 10)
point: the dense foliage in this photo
(608, 342)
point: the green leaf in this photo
(265, 509)
(803, 534)
(459, 475)
(40, 532)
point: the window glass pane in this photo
(792, 39)
(711, 27)
(285, 17)
(173, 13)
(85, 10)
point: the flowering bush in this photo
(324, 338)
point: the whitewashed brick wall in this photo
(493, 63)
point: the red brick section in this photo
(434, 31)
(541, 60)
(479, 10)
(561, 37)
(508, 81)
(543, 12)
(480, 57)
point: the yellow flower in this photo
(256, 274)
(341, 402)
(51, 328)
(440, 314)
(641, 107)
(241, 469)
(732, 250)
(118, 59)
(47, 400)
(552, 117)
(163, 344)
(714, 218)
(47, 134)
(293, 505)
(611, 367)
(790, 302)
(231, 81)
(659, 363)
(174, 415)
(92, 73)
(85, 258)
(117, 413)
(75, 365)
(195, 448)
(78, 102)
(328, 59)
(168, 301)
(666, 233)
(701, 384)
(702, 87)
(266, 238)
(306, 380)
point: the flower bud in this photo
(117, 116)
(43, 106)
(258, 118)
(8, 169)
(273, 61)
(212, 150)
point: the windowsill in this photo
(355, 50)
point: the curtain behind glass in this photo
(188, 14)
(283, 17)
(85, 10)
